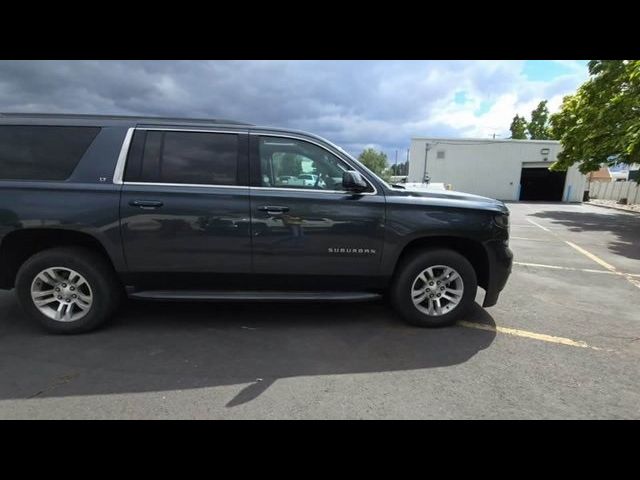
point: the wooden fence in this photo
(615, 191)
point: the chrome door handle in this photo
(273, 210)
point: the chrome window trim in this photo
(244, 187)
(304, 139)
(124, 151)
(311, 190)
(194, 185)
(118, 174)
(122, 158)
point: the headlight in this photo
(502, 221)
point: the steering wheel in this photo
(315, 186)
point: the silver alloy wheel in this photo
(61, 294)
(437, 290)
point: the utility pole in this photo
(395, 169)
(427, 147)
(406, 168)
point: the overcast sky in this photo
(356, 104)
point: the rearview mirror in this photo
(352, 181)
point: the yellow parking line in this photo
(606, 265)
(595, 258)
(590, 255)
(525, 334)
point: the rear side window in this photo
(42, 152)
(183, 157)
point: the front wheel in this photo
(434, 288)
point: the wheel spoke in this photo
(83, 304)
(60, 311)
(454, 276)
(74, 277)
(53, 275)
(438, 307)
(418, 291)
(429, 272)
(46, 301)
(42, 293)
(444, 274)
(46, 278)
(420, 297)
(84, 298)
(453, 300)
(454, 291)
(68, 313)
(430, 310)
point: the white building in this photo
(502, 169)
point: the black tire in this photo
(99, 274)
(411, 267)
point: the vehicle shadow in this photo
(173, 346)
(625, 226)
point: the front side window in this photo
(183, 157)
(292, 163)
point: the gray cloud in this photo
(354, 103)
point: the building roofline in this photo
(483, 140)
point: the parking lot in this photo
(562, 342)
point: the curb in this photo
(612, 208)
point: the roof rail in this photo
(120, 117)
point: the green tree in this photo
(600, 123)
(518, 128)
(375, 161)
(290, 164)
(539, 126)
(400, 168)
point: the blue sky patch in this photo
(460, 98)
(484, 107)
(546, 70)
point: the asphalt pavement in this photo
(562, 342)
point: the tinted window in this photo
(290, 163)
(42, 152)
(183, 157)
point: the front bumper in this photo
(500, 263)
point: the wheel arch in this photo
(472, 250)
(19, 245)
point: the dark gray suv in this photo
(96, 208)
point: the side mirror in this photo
(352, 181)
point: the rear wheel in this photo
(68, 289)
(434, 288)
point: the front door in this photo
(185, 203)
(303, 222)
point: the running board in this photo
(253, 296)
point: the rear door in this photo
(185, 202)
